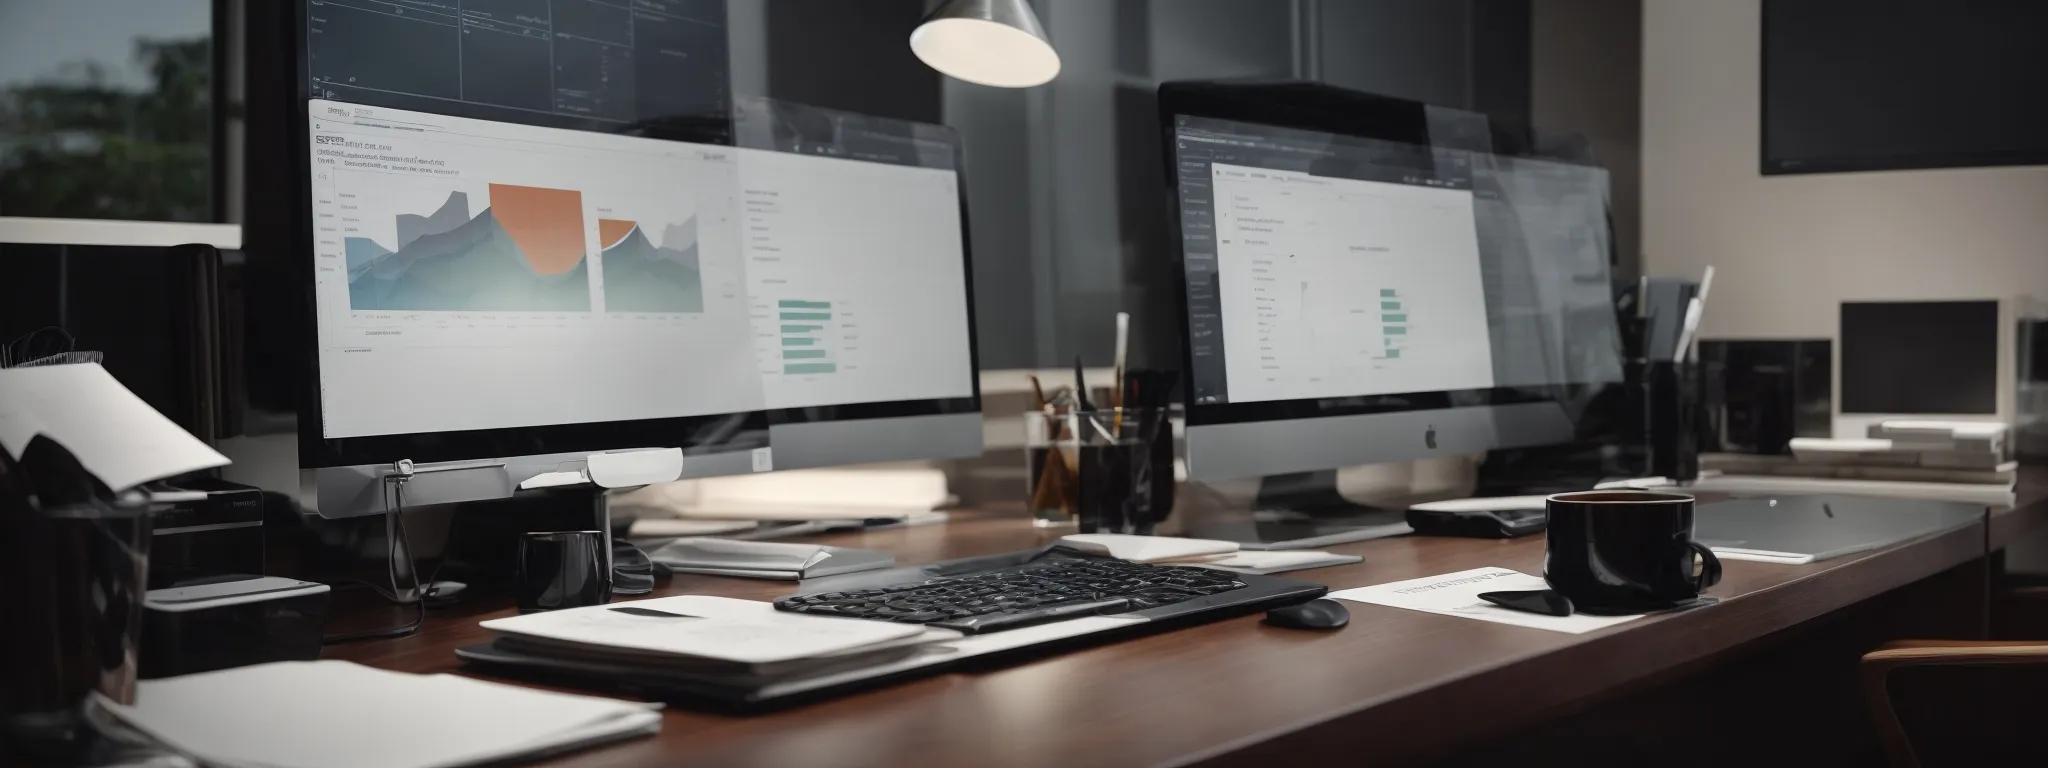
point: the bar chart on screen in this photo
(808, 337)
(844, 260)
(1314, 255)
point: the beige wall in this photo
(1789, 249)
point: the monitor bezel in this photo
(728, 432)
(1332, 110)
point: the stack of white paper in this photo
(765, 559)
(1964, 438)
(1267, 563)
(1150, 549)
(113, 434)
(898, 493)
(336, 714)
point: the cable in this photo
(422, 591)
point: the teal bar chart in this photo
(806, 337)
(1393, 323)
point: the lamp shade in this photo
(988, 42)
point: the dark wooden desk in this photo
(1402, 682)
(2027, 517)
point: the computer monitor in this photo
(534, 231)
(1368, 279)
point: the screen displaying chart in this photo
(650, 271)
(478, 275)
(853, 280)
(523, 252)
(1355, 287)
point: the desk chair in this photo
(1984, 693)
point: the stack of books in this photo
(1964, 460)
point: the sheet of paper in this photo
(1457, 594)
(1265, 563)
(744, 631)
(1484, 504)
(735, 554)
(115, 435)
(658, 527)
(287, 715)
(1146, 549)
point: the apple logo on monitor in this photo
(1429, 438)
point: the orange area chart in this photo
(546, 224)
(611, 231)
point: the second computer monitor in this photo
(529, 237)
(1369, 279)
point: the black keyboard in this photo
(1061, 584)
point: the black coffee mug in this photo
(1617, 552)
(563, 569)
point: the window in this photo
(106, 110)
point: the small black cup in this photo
(1619, 552)
(562, 569)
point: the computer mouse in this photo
(1321, 613)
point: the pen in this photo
(1690, 326)
(1081, 387)
(1689, 350)
(1123, 345)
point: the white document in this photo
(660, 527)
(1457, 594)
(1147, 549)
(114, 434)
(1265, 563)
(337, 714)
(769, 558)
(1484, 504)
(701, 626)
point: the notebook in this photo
(1264, 563)
(285, 715)
(723, 629)
(765, 559)
(1149, 549)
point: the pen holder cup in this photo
(1117, 469)
(1049, 476)
(1671, 401)
(75, 564)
